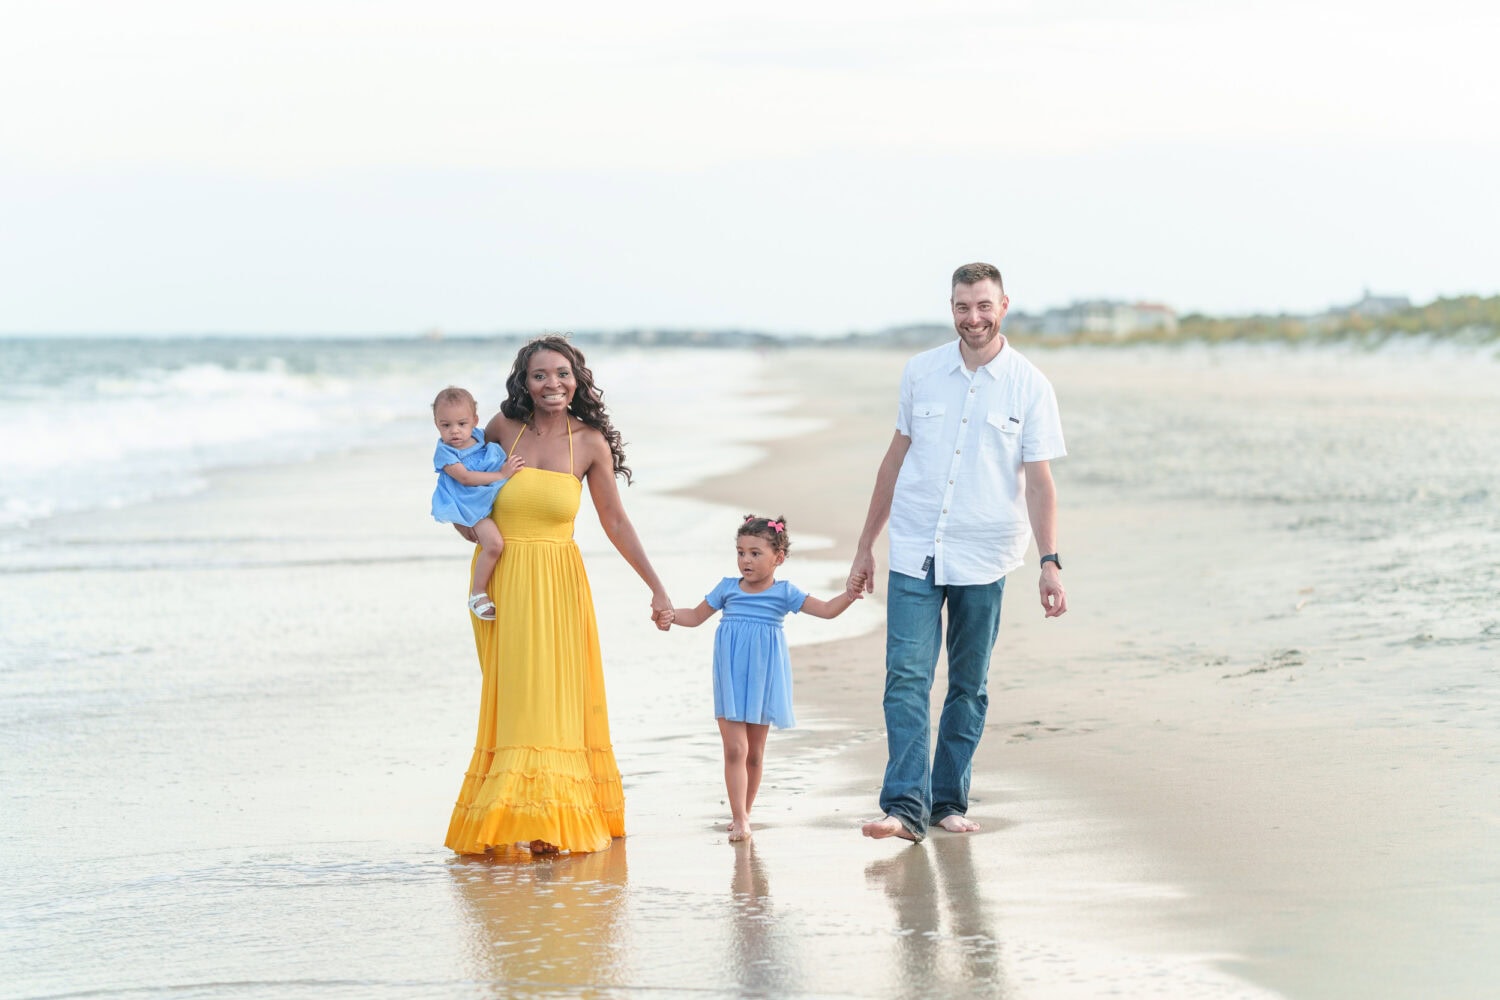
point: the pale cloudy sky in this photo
(815, 166)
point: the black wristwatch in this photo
(1053, 558)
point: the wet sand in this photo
(1325, 852)
(241, 784)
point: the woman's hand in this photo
(661, 610)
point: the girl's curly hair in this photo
(588, 401)
(772, 529)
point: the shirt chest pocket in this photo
(926, 421)
(1002, 437)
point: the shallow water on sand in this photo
(231, 725)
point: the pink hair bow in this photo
(776, 525)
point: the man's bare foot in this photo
(954, 823)
(541, 847)
(887, 826)
(739, 831)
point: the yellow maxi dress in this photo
(543, 766)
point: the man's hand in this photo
(861, 574)
(1054, 598)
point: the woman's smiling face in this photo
(550, 382)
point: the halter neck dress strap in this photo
(570, 445)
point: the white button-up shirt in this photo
(960, 496)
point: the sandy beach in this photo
(1329, 854)
(1208, 780)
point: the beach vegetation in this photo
(1463, 318)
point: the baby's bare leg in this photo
(487, 535)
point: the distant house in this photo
(1096, 316)
(1368, 307)
(1140, 317)
(1378, 305)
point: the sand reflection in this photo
(757, 963)
(549, 924)
(947, 943)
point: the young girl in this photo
(752, 672)
(470, 473)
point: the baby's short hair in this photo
(453, 394)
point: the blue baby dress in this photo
(452, 501)
(752, 670)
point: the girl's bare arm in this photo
(832, 608)
(693, 616)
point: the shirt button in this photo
(959, 451)
(971, 392)
(950, 482)
(966, 419)
(945, 510)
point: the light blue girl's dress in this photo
(452, 501)
(752, 670)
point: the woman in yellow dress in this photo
(543, 774)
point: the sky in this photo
(814, 167)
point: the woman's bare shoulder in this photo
(588, 437)
(582, 431)
(501, 429)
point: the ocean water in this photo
(104, 423)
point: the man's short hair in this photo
(973, 274)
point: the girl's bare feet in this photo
(541, 847)
(739, 831)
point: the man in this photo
(966, 473)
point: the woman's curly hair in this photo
(588, 400)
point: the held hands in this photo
(861, 575)
(661, 611)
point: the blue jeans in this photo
(915, 792)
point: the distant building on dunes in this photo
(1378, 305)
(1096, 316)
